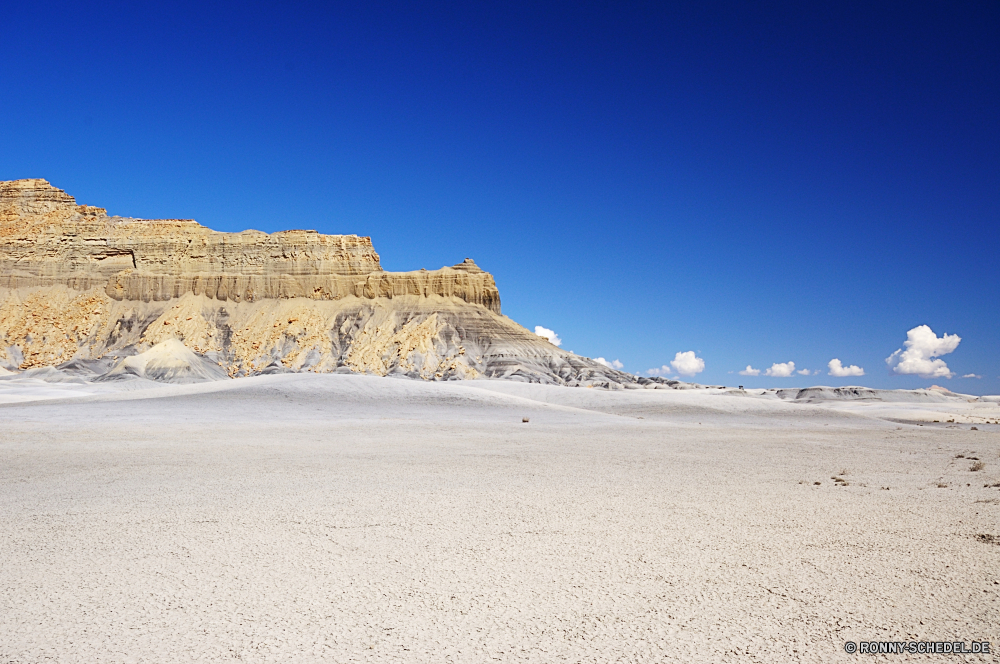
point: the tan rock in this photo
(78, 284)
(47, 239)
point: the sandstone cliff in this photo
(84, 290)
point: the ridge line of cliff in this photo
(47, 239)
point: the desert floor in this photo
(301, 518)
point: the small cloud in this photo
(613, 364)
(781, 370)
(548, 334)
(750, 371)
(687, 363)
(806, 372)
(840, 371)
(662, 371)
(922, 345)
(971, 376)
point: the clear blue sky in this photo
(756, 182)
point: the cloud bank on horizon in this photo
(922, 347)
(921, 357)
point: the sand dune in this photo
(349, 518)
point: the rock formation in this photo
(86, 291)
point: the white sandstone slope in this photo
(169, 361)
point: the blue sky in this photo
(757, 184)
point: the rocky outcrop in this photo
(81, 287)
(46, 239)
(856, 393)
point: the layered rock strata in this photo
(82, 289)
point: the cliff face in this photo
(84, 290)
(46, 239)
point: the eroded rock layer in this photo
(85, 290)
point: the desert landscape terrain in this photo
(500, 333)
(351, 518)
(263, 448)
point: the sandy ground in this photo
(302, 518)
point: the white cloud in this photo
(613, 364)
(548, 334)
(922, 346)
(750, 371)
(971, 376)
(687, 363)
(664, 372)
(781, 370)
(840, 371)
(806, 372)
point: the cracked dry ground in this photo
(352, 519)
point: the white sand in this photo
(344, 518)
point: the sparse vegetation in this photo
(977, 466)
(941, 485)
(988, 539)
